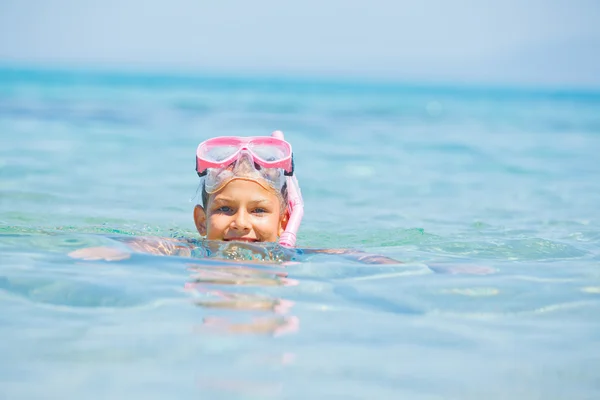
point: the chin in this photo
(246, 240)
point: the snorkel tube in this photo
(295, 207)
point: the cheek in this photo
(267, 226)
(217, 223)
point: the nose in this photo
(241, 221)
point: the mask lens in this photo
(269, 152)
(219, 153)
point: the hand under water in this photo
(100, 253)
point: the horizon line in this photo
(334, 78)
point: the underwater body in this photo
(488, 197)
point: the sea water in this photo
(490, 196)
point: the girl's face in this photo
(243, 210)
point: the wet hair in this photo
(283, 197)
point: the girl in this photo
(249, 195)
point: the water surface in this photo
(488, 195)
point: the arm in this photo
(356, 255)
(147, 245)
(159, 246)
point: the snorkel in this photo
(295, 207)
(262, 159)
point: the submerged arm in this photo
(356, 255)
(159, 246)
(147, 245)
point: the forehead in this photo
(244, 190)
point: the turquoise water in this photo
(490, 197)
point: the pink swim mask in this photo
(268, 152)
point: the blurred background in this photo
(541, 42)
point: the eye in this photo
(260, 210)
(224, 209)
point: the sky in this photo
(539, 42)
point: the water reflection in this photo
(217, 288)
(274, 326)
(238, 275)
(236, 291)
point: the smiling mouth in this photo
(241, 240)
